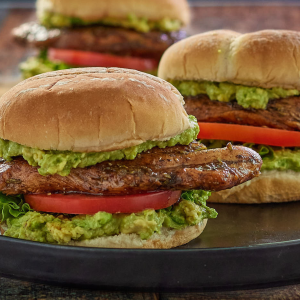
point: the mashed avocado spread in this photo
(57, 228)
(247, 97)
(61, 162)
(50, 20)
(274, 158)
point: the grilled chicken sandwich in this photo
(245, 88)
(121, 33)
(108, 158)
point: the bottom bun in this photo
(167, 239)
(270, 186)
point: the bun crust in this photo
(153, 10)
(270, 186)
(91, 110)
(166, 240)
(268, 58)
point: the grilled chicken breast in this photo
(173, 168)
(104, 39)
(281, 113)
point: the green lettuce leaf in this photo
(40, 64)
(12, 207)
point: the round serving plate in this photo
(246, 245)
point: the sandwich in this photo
(107, 158)
(127, 34)
(245, 88)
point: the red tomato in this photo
(88, 204)
(249, 134)
(94, 59)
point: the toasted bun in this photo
(268, 58)
(166, 240)
(270, 186)
(91, 109)
(94, 9)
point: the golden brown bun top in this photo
(268, 58)
(91, 109)
(153, 10)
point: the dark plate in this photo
(246, 245)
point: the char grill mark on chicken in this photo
(172, 168)
(114, 40)
(281, 113)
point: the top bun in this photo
(268, 58)
(90, 10)
(91, 110)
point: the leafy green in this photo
(40, 64)
(12, 207)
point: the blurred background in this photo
(242, 16)
(29, 3)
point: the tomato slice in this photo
(89, 204)
(94, 59)
(249, 134)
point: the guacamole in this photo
(274, 158)
(280, 159)
(61, 162)
(59, 228)
(247, 97)
(50, 20)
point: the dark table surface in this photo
(239, 16)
